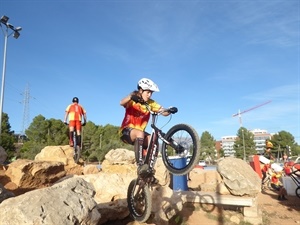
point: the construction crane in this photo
(247, 110)
(240, 119)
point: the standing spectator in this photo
(268, 151)
(265, 174)
(75, 112)
(277, 185)
(288, 168)
(284, 157)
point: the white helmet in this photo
(147, 84)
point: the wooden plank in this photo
(215, 198)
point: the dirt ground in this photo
(274, 212)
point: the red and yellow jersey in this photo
(269, 144)
(137, 115)
(275, 178)
(75, 112)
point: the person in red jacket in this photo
(265, 174)
(277, 185)
(75, 113)
(268, 151)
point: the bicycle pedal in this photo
(143, 169)
(154, 180)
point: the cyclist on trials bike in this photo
(74, 112)
(132, 130)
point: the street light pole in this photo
(244, 144)
(6, 27)
(3, 81)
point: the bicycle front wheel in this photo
(183, 153)
(139, 201)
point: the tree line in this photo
(97, 140)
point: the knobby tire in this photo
(296, 172)
(77, 154)
(186, 136)
(297, 191)
(139, 204)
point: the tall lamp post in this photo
(244, 144)
(8, 29)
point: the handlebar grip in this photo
(137, 99)
(173, 110)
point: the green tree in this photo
(110, 140)
(90, 140)
(280, 142)
(7, 138)
(38, 130)
(244, 144)
(208, 144)
(98, 140)
(38, 134)
(57, 132)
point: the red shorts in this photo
(75, 123)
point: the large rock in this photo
(111, 194)
(239, 177)
(110, 186)
(62, 154)
(165, 204)
(28, 174)
(68, 202)
(120, 156)
(122, 161)
(209, 180)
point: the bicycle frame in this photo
(74, 138)
(138, 192)
(153, 145)
(77, 149)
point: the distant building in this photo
(227, 142)
(260, 137)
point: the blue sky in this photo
(209, 58)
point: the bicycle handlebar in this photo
(171, 110)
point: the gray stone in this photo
(5, 194)
(68, 202)
(239, 177)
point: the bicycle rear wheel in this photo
(296, 168)
(297, 192)
(139, 201)
(76, 156)
(184, 147)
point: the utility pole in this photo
(25, 109)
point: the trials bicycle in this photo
(77, 148)
(181, 141)
(295, 175)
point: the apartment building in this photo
(227, 142)
(260, 137)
